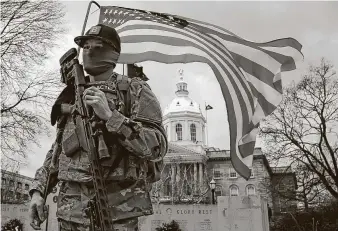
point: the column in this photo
(178, 179)
(173, 131)
(173, 175)
(195, 178)
(201, 176)
(184, 179)
(203, 134)
(187, 130)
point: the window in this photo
(193, 132)
(11, 183)
(233, 190)
(19, 185)
(167, 188)
(26, 197)
(232, 173)
(178, 131)
(218, 191)
(250, 190)
(27, 186)
(252, 174)
(217, 173)
(3, 181)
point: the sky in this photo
(313, 24)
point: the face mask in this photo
(99, 60)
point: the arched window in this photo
(193, 132)
(178, 131)
(166, 131)
(233, 190)
(250, 190)
(167, 190)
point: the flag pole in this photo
(85, 22)
(206, 121)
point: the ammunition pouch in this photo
(71, 144)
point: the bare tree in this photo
(307, 194)
(303, 130)
(182, 189)
(29, 29)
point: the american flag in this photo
(249, 73)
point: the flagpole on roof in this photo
(207, 107)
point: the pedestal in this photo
(242, 213)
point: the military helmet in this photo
(105, 33)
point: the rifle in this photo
(51, 169)
(72, 73)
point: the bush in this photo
(172, 226)
(11, 225)
(324, 217)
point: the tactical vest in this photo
(121, 165)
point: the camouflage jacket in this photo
(134, 161)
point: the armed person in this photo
(130, 150)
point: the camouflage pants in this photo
(121, 225)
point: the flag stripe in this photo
(282, 42)
(271, 52)
(254, 69)
(261, 89)
(249, 53)
(219, 29)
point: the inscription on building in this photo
(169, 211)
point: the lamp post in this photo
(213, 186)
